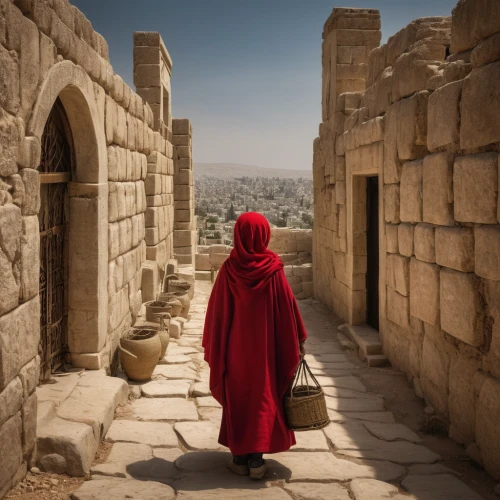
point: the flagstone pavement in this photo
(164, 442)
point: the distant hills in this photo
(231, 170)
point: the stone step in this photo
(345, 341)
(366, 337)
(374, 360)
(69, 434)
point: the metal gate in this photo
(55, 173)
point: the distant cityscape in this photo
(286, 202)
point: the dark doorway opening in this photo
(372, 243)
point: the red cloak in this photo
(251, 338)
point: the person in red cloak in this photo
(251, 337)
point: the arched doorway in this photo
(67, 99)
(56, 171)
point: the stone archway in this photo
(88, 208)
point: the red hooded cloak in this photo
(251, 338)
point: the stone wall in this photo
(184, 219)
(427, 123)
(294, 246)
(152, 72)
(119, 200)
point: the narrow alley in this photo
(164, 441)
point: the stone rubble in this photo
(169, 447)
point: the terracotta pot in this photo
(185, 301)
(172, 301)
(139, 353)
(163, 333)
(154, 308)
(178, 286)
(165, 340)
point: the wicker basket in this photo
(305, 404)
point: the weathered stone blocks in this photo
(444, 116)
(480, 107)
(487, 252)
(438, 189)
(475, 187)
(30, 258)
(398, 308)
(391, 203)
(11, 452)
(405, 239)
(472, 21)
(411, 192)
(413, 69)
(392, 166)
(10, 140)
(398, 273)
(487, 430)
(391, 238)
(462, 399)
(9, 78)
(455, 248)
(424, 242)
(424, 291)
(486, 52)
(461, 310)
(434, 374)
(412, 126)
(19, 338)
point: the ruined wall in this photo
(294, 246)
(152, 72)
(49, 50)
(348, 38)
(428, 126)
(184, 219)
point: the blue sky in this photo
(246, 72)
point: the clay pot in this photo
(165, 340)
(163, 333)
(139, 353)
(185, 301)
(166, 280)
(178, 286)
(154, 308)
(172, 301)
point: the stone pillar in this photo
(349, 36)
(184, 219)
(152, 72)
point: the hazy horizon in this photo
(247, 74)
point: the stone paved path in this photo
(165, 442)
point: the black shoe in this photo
(257, 465)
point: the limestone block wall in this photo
(152, 72)
(184, 218)
(427, 126)
(348, 38)
(49, 51)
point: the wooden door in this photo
(55, 173)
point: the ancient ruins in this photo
(407, 235)
(97, 206)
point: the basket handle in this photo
(302, 374)
(162, 317)
(166, 281)
(127, 352)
